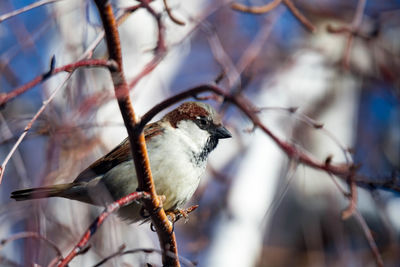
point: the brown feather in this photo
(186, 111)
(116, 156)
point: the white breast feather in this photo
(173, 166)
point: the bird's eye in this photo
(202, 121)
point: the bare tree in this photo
(309, 89)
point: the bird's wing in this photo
(119, 154)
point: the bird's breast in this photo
(175, 173)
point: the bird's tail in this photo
(61, 190)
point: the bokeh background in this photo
(258, 207)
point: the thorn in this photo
(328, 160)
(84, 249)
(51, 70)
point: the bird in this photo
(178, 146)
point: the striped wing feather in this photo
(119, 154)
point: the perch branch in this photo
(136, 137)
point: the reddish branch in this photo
(343, 171)
(5, 97)
(272, 5)
(160, 50)
(250, 111)
(160, 40)
(99, 221)
(138, 145)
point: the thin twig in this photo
(17, 159)
(34, 235)
(29, 126)
(272, 5)
(99, 221)
(25, 9)
(25, 87)
(6, 97)
(113, 255)
(184, 261)
(147, 69)
(86, 54)
(352, 199)
(352, 31)
(296, 12)
(370, 238)
(171, 16)
(256, 9)
(220, 55)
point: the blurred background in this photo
(258, 207)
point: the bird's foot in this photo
(177, 214)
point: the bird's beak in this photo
(221, 132)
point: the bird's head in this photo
(200, 123)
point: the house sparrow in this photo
(178, 146)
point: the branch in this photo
(272, 5)
(121, 252)
(99, 221)
(370, 238)
(87, 54)
(296, 12)
(256, 9)
(29, 126)
(25, 9)
(5, 97)
(351, 31)
(341, 170)
(34, 235)
(352, 198)
(161, 41)
(136, 137)
(171, 16)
